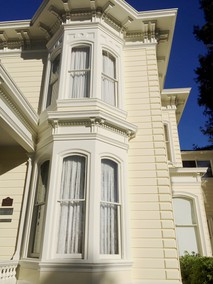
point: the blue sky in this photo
(183, 59)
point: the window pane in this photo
(109, 208)
(187, 240)
(39, 209)
(183, 211)
(189, 164)
(54, 81)
(109, 229)
(186, 226)
(80, 72)
(72, 203)
(108, 65)
(108, 78)
(109, 189)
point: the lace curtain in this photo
(72, 203)
(80, 72)
(109, 208)
(108, 79)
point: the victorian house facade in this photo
(94, 188)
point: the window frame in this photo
(58, 199)
(89, 70)
(35, 211)
(56, 51)
(119, 205)
(112, 79)
(194, 224)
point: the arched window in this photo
(72, 206)
(109, 208)
(54, 80)
(186, 225)
(109, 81)
(39, 211)
(80, 72)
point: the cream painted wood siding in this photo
(153, 243)
(26, 70)
(12, 183)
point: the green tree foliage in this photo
(196, 269)
(205, 71)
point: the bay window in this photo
(109, 208)
(39, 211)
(186, 225)
(54, 80)
(109, 82)
(72, 206)
(80, 72)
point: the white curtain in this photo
(39, 209)
(80, 72)
(72, 216)
(109, 208)
(108, 79)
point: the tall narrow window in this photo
(186, 225)
(54, 81)
(80, 72)
(109, 208)
(39, 210)
(72, 206)
(109, 82)
(168, 144)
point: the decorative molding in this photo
(54, 11)
(16, 111)
(93, 5)
(45, 29)
(93, 123)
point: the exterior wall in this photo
(26, 69)
(12, 183)
(153, 242)
(169, 116)
(207, 185)
(191, 186)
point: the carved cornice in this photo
(17, 112)
(93, 123)
(22, 41)
(149, 34)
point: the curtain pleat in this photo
(80, 74)
(108, 79)
(71, 227)
(109, 208)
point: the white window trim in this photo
(52, 55)
(67, 70)
(53, 246)
(201, 237)
(115, 79)
(33, 190)
(121, 232)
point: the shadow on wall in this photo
(11, 157)
(68, 277)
